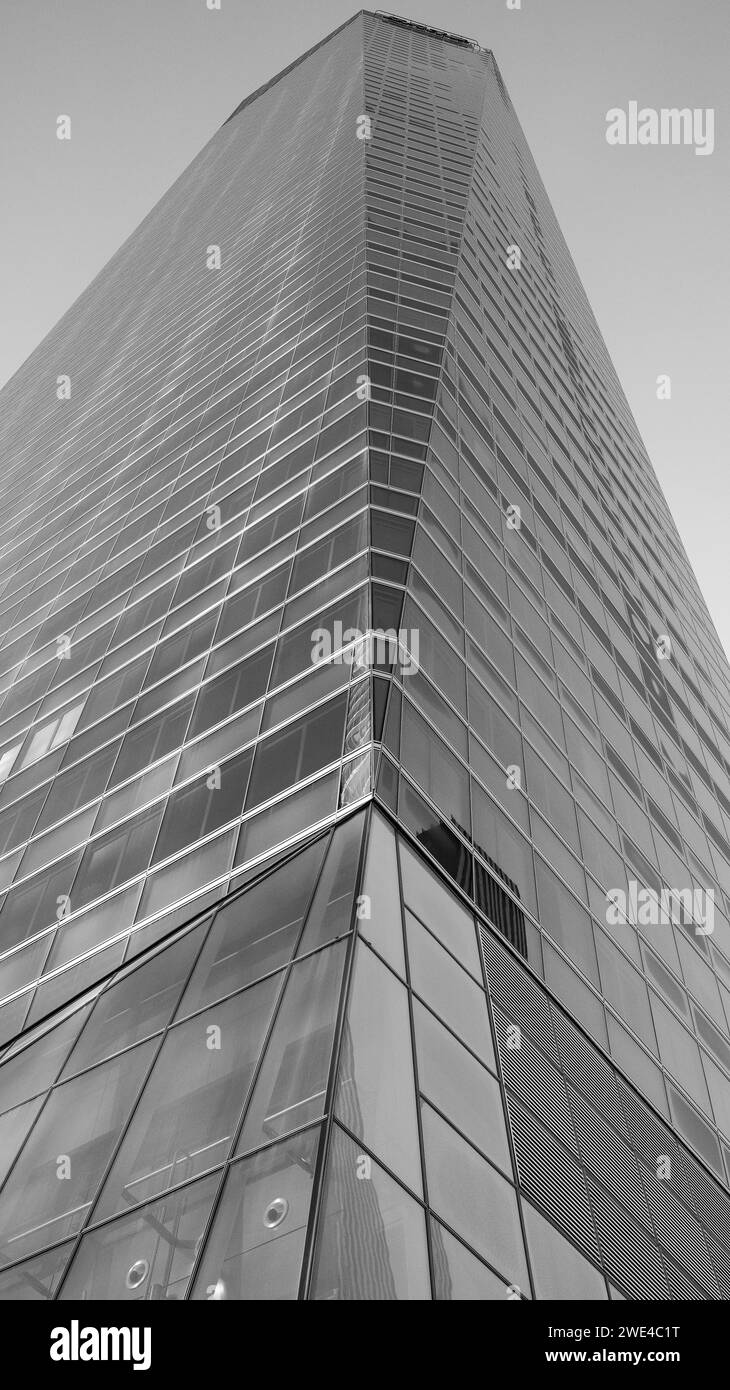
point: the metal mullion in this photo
(313, 1224)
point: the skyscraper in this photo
(365, 776)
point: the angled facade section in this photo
(364, 765)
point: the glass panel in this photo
(53, 1183)
(55, 992)
(255, 1248)
(32, 906)
(37, 1279)
(457, 1274)
(115, 857)
(148, 742)
(567, 922)
(559, 1270)
(381, 897)
(371, 1244)
(23, 966)
(331, 912)
(456, 1083)
(298, 751)
(440, 911)
(184, 877)
(472, 1197)
(296, 813)
(236, 688)
(203, 806)
(120, 804)
(376, 1096)
(290, 1090)
(14, 1126)
(91, 928)
(146, 1256)
(573, 992)
(255, 933)
(434, 767)
(36, 1066)
(136, 1006)
(187, 1116)
(504, 848)
(448, 990)
(625, 989)
(679, 1053)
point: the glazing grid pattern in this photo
(539, 641)
(214, 490)
(202, 492)
(311, 1154)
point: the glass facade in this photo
(359, 715)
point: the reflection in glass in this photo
(137, 1005)
(457, 1274)
(148, 1256)
(559, 1270)
(382, 925)
(331, 912)
(14, 1126)
(35, 1280)
(376, 1091)
(50, 1188)
(371, 1243)
(449, 991)
(188, 1112)
(256, 932)
(472, 1197)
(291, 1086)
(459, 1086)
(255, 1248)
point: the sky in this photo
(147, 83)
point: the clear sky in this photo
(147, 82)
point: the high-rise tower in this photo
(365, 776)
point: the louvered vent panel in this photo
(652, 1141)
(682, 1286)
(721, 1263)
(680, 1234)
(520, 998)
(585, 1067)
(710, 1202)
(602, 1102)
(549, 1174)
(612, 1162)
(628, 1255)
(536, 1082)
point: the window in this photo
(115, 857)
(458, 1274)
(430, 762)
(460, 1087)
(186, 1119)
(136, 1006)
(203, 806)
(440, 911)
(82, 1120)
(54, 733)
(291, 1086)
(255, 933)
(299, 750)
(255, 1248)
(376, 1095)
(146, 1256)
(371, 1243)
(448, 990)
(473, 1198)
